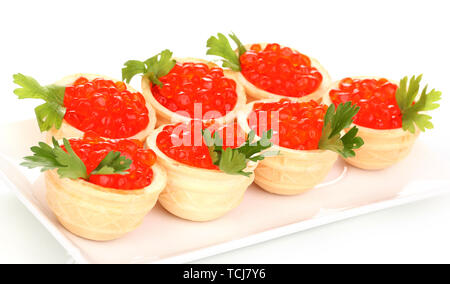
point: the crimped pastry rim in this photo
(158, 183)
(174, 117)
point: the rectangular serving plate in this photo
(163, 238)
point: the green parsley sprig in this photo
(69, 165)
(411, 109)
(113, 164)
(336, 120)
(234, 161)
(152, 68)
(220, 46)
(49, 114)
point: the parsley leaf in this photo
(69, 165)
(350, 142)
(48, 158)
(133, 68)
(51, 113)
(113, 164)
(335, 121)
(214, 144)
(152, 68)
(250, 149)
(241, 47)
(43, 157)
(220, 46)
(406, 98)
(234, 161)
(72, 166)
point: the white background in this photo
(51, 39)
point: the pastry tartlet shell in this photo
(166, 116)
(293, 171)
(197, 194)
(382, 147)
(98, 213)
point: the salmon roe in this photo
(379, 108)
(196, 83)
(296, 125)
(280, 71)
(184, 142)
(92, 150)
(105, 107)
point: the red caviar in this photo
(105, 107)
(296, 125)
(195, 83)
(184, 142)
(379, 108)
(92, 150)
(280, 71)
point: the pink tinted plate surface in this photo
(346, 193)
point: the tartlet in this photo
(97, 193)
(255, 93)
(269, 71)
(98, 213)
(294, 171)
(386, 141)
(58, 125)
(199, 194)
(200, 87)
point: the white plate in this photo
(348, 192)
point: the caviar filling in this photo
(105, 107)
(296, 125)
(280, 71)
(92, 150)
(375, 97)
(190, 83)
(184, 142)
